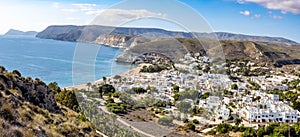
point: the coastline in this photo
(97, 82)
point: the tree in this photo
(205, 95)
(94, 87)
(260, 132)
(176, 96)
(17, 73)
(139, 90)
(160, 103)
(184, 107)
(223, 128)
(249, 132)
(175, 88)
(191, 126)
(234, 86)
(68, 99)
(237, 121)
(54, 87)
(105, 89)
(89, 84)
(195, 121)
(104, 79)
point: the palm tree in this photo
(104, 80)
(88, 85)
(237, 121)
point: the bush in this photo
(195, 121)
(16, 72)
(106, 89)
(7, 113)
(211, 132)
(165, 121)
(224, 128)
(68, 99)
(184, 107)
(82, 117)
(191, 126)
(54, 87)
(139, 90)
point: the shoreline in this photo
(97, 82)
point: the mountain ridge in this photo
(90, 33)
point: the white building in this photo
(213, 103)
(277, 113)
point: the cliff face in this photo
(115, 40)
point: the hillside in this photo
(18, 32)
(261, 52)
(92, 32)
(28, 108)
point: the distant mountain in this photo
(231, 36)
(91, 33)
(18, 32)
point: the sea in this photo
(53, 61)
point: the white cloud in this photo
(257, 16)
(85, 6)
(69, 10)
(120, 16)
(240, 1)
(292, 6)
(246, 13)
(72, 18)
(277, 17)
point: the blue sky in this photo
(256, 17)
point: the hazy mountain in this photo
(92, 32)
(18, 32)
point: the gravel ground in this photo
(151, 128)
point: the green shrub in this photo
(191, 126)
(165, 121)
(68, 99)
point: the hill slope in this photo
(275, 53)
(28, 108)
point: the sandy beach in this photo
(97, 82)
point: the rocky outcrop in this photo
(281, 63)
(153, 58)
(115, 40)
(34, 91)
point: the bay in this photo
(52, 60)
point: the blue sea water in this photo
(52, 60)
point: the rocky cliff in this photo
(115, 40)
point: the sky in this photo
(276, 18)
